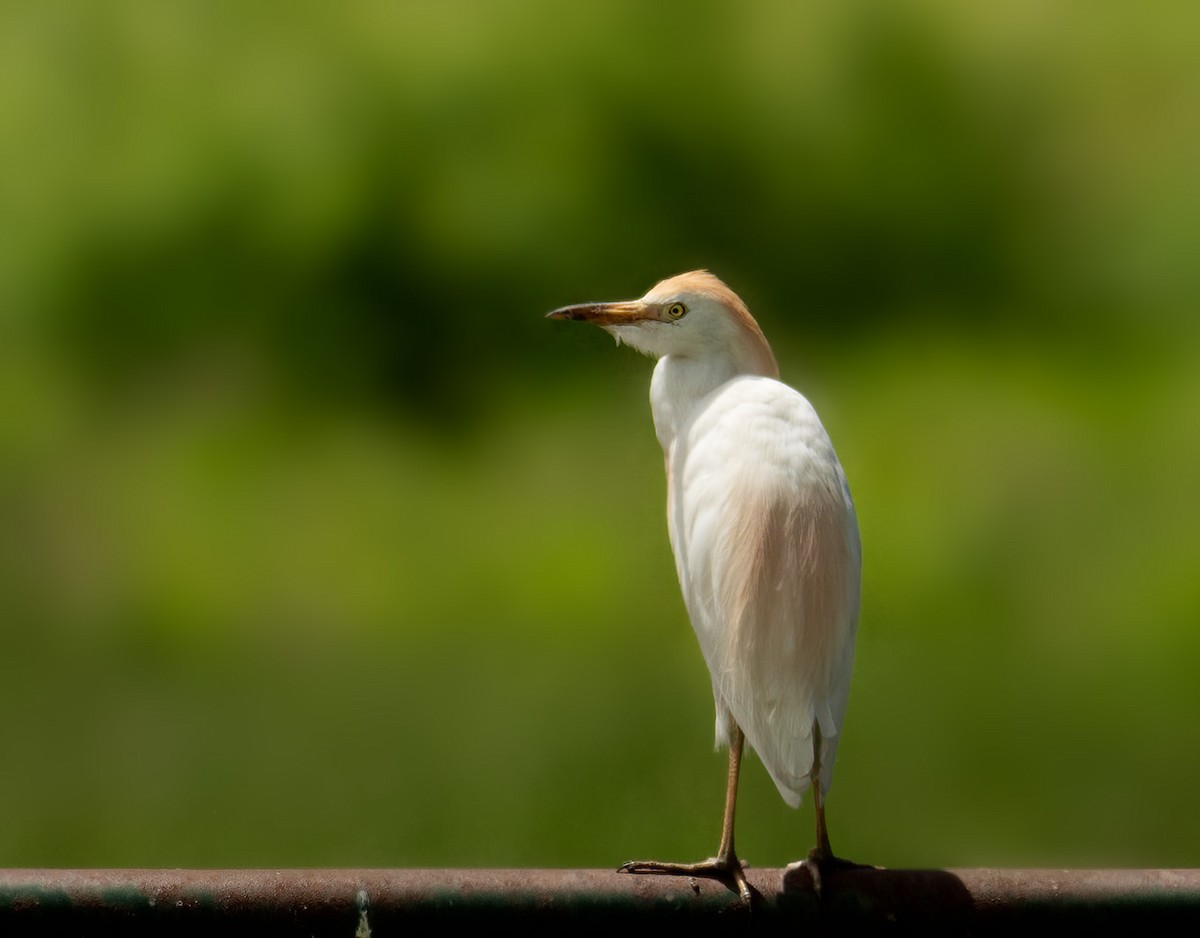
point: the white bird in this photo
(765, 539)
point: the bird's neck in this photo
(679, 386)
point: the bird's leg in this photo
(821, 861)
(822, 851)
(725, 852)
(725, 866)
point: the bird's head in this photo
(692, 315)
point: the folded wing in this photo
(767, 550)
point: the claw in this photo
(817, 868)
(727, 871)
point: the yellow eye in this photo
(676, 311)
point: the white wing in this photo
(767, 549)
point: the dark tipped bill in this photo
(603, 314)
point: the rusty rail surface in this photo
(366, 903)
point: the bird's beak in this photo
(605, 314)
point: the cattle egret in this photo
(765, 540)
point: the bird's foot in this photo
(816, 869)
(725, 870)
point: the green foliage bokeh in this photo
(320, 546)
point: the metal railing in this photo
(377, 903)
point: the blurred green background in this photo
(320, 546)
